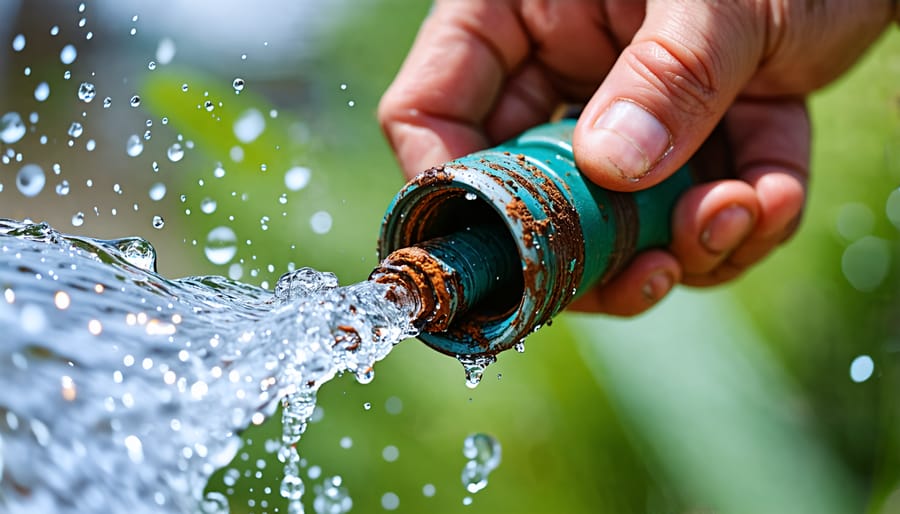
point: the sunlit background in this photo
(240, 138)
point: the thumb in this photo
(667, 91)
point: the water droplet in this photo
(238, 84)
(351, 103)
(483, 452)
(393, 405)
(12, 128)
(520, 347)
(18, 42)
(151, 65)
(332, 497)
(219, 171)
(158, 222)
(165, 51)
(135, 101)
(184, 87)
(78, 219)
(296, 178)
(249, 126)
(390, 453)
(428, 490)
(208, 205)
(471, 196)
(343, 87)
(367, 406)
(54, 30)
(86, 92)
(861, 368)
(107, 102)
(62, 189)
(137, 252)
(175, 152)
(320, 222)
(68, 54)
(134, 146)
(30, 180)
(221, 245)
(157, 191)
(474, 367)
(346, 442)
(75, 129)
(42, 92)
(90, 145)
(390, 501)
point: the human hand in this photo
(657, 79)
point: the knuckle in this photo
(683, 76)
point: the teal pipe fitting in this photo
(542, 234)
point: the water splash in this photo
(332, 497)
(483, 452)
(131, 388)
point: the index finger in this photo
(450, 80)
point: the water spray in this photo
(498, 242)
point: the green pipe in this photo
(501, 240)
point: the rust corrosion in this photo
(422, 274)
(435, 175)
(567, 245)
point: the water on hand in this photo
(123, 391)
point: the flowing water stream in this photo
(125, 391)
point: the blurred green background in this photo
(739, 399)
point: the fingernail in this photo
(727, 229)
(657, 286)
(630, 138)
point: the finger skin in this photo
(695, 211)
(434, 109)
(481, 71)
(681, 76)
